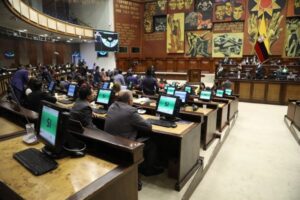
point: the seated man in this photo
(82, 110)
(37, 95)
(123, 120)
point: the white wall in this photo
(98, 15)
(88, 53)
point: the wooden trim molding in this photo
(46, 22)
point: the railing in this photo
(4, 81)
(41, 20)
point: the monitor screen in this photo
(228, 91)
(166, 105)
(105, 85)
(103, 96)
(205, 95)
(51, 86)
(48, 124)
(171, 90)
(166, 86)
(220, 93)
(106, 41)
(71, 90)
(188, 89)
(182, 95)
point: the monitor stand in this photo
(48, 151)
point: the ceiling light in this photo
(68, 41)
(71, 39)
(58, 37)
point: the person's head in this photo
(36, 85)
(238, 11)
(102, 70)
(69, 78)
(85, 92)
(125, 96)
(149, 72)
(228, 8)
(97, 68)
(116, 88)
(202, 86)
(220, 12)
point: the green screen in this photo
(171, 90)
(166, 105)
(188, 89)
(205, 95)
(228, 91)
(103, 96)
(48, 127)
(220, 93)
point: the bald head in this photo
(125, 96)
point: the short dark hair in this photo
(84, 91)
(36, 85)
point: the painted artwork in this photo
(150, 9)
(161, 7)
(265, 19)
(292, 41)
(194, 21)
(175, 6)
(198, 44)
(229, 10)
(227, 45)
(175, 33)
(160, 23)
(205, 10)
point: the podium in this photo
(194, 76)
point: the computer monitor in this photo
(51, 87)
(51, 128)
(183, 96)
(72, 91)
(105, 85)
(228, 92)
(170, 90)
(168, 106)
(219, 93)
(205, 95)
(166, 87)
(104, 97)
(188, 89)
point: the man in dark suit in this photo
(123, 120)
(35, 98)
(18, 82)
(82, 110)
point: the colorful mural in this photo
(227, 45)
(198, 44)
(175, 33)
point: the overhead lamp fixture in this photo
(70, 39)
(58, 37)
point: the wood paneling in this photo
(245, 92)
(273, 94)
(292, 92)
(258, 91)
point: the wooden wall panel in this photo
(181, 66)
(259, 90)
(292, 92)
(60, 49)
(273, 93)
(160, 65)
(171, 66)
(32, 52)
(245, 91)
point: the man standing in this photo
(18, 82)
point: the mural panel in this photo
(198, 44)
(292, 40)
(175, 33)
(227, 45)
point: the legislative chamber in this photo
(149, 99)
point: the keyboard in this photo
(35, 161)
(163, 123)
(65, 101)
(99, 111)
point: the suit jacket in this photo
(35, 97)
(123, 120)
(19, 79)
(82, 112)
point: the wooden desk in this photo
(291, 110)
(182, 145)
(297, 117)
(9, 107)
(9, 129)
(82, 178)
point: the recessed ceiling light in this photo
(58, 37)
(71, 39)
(68, 41)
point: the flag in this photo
(262, 45)
(263, 33)
(261, 50)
